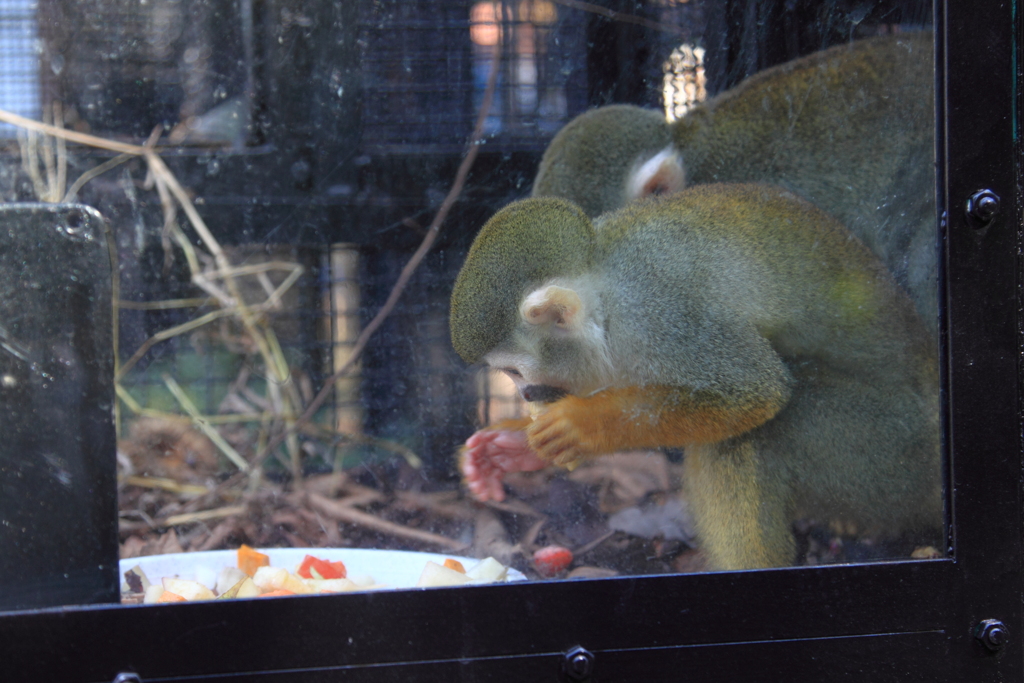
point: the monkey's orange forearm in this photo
(643, 417)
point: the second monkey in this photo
(850, 129)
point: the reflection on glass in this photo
(343, 317)
(530, 94)
(304, 156)
(685, 83)
(499, 398)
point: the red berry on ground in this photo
(552, 560)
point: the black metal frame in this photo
(894, 621)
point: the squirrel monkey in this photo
(850, 129)
(737, 321)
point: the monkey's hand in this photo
(628, 418)
(571, 429)
(492, 453)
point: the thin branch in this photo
(212, 434)
(30, 161)
(620, 16)
(202, 516)
(92, 173)
(166, 485)
(344, 513)
(162, 305)
(73, 136)
(48, 165)
(167, 334)
(62, 153)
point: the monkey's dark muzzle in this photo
(542, 393)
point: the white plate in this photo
(393, 568)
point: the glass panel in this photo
(725, 376)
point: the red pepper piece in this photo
(326, 570)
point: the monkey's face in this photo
(558, 347)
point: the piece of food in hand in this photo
(249, 559)
(315, 568)
(454, 564)
(435, 575)
(552, 560)
(190, 590)
(491, 454)
(488, 570)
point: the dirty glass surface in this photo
(289, 192)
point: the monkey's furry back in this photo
(712, 260)
(850, 128)
(716, 270)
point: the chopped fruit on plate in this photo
(315, 568)
(254, 577)
(455, 564)
(249, 560)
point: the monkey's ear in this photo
(553, 304)
(661, 174)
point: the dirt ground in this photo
(618, 514)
